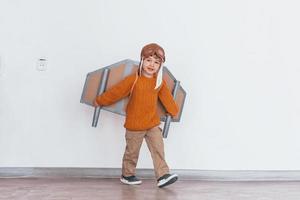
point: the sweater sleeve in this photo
(116, 92)
(167, 100)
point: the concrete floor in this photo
(106, 189)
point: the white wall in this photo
(237, 60)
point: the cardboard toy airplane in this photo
(102, 79)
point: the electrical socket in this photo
(41, 64)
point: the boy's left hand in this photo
(96, 103)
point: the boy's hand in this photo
(95, 103)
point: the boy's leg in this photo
(134, 140)
(155, 144)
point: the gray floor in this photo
(106, 189)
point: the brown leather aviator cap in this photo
(153, 49)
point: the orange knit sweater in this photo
(141, 111)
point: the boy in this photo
(142, 120)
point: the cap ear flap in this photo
(137, 74)
(159, 76)
(141, 66)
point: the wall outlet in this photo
(41, 64)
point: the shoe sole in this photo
(130, 183)
(172, 179)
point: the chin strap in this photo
(159, 76)
(137, 74)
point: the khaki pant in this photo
(154, 140)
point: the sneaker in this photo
(130, 180)
(166, 179)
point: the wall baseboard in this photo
(205, 175)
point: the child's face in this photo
(151, 65)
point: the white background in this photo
(237, 60)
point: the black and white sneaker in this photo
(166, 179)
(130, 180)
